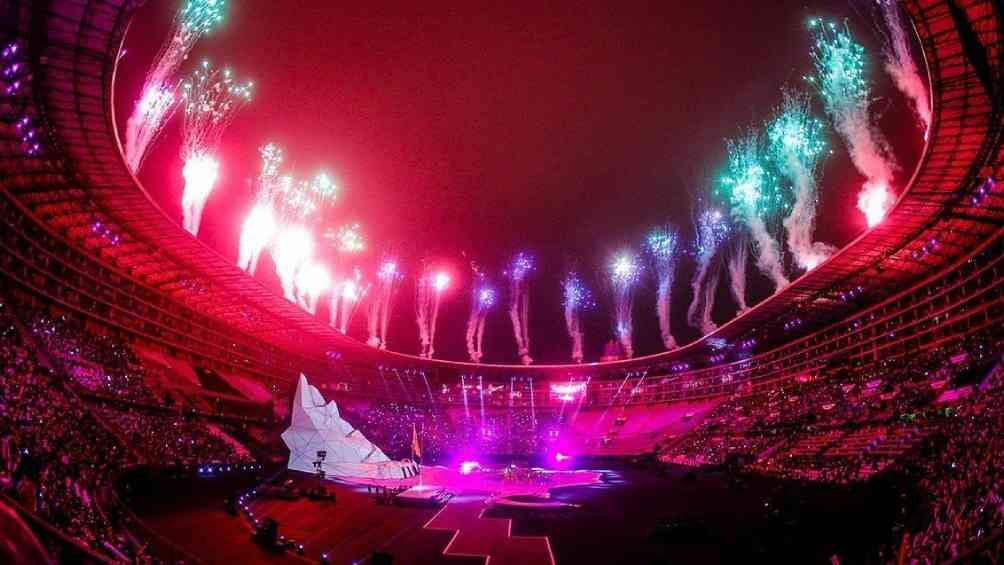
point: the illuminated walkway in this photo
(491, 538)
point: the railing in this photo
(77, 552)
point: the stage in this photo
(614, 521)
(488, 481)
(437, 516)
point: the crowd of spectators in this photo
(390, 425)
(446, 431)
(837, 426)
(170, 438)
(937, 417)
(99, 364)
(55, 458)
(961, 476)
(103, 367)
(60, 451)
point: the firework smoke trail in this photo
(440, 282)
(737, 271)
(625, 272)
(708, 300)
(796, 145)
(423, 301)
(900, 64)
(312, 280)
(154, 109)
(663, 246)
(158, 99)
(712, 229)
(292, 250)
(840, 78)
(576, 298)
(483, 298)
(345, 299)
(429, 292)
(756, 197)
(200, 173)
(520, 267)
(211, 99)
(378, 314)
(261, 224)
(387, 299)
(257, 232)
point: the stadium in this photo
(209, 340)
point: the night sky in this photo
(465, 132)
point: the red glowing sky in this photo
(466, 131)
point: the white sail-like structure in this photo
(317, 426)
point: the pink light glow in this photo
(200, 173)
(156, 101)
(293, 247)
(315, 279)
(261, 221)
(874, 201)
(350, 290)
(567, 391)
(260, 225)
(388, 270)
(441, 281)
(559, 457)
(467, 467)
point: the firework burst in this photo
(158, 99)
(261, 224)
(625, 273)
(347, 239)
(575, 298)
(483, 299)
(711, 230)
(756, 197)
(842, 83)
(211, 98)
(299, 200)
(796, 145)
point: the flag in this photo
(416, 448)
